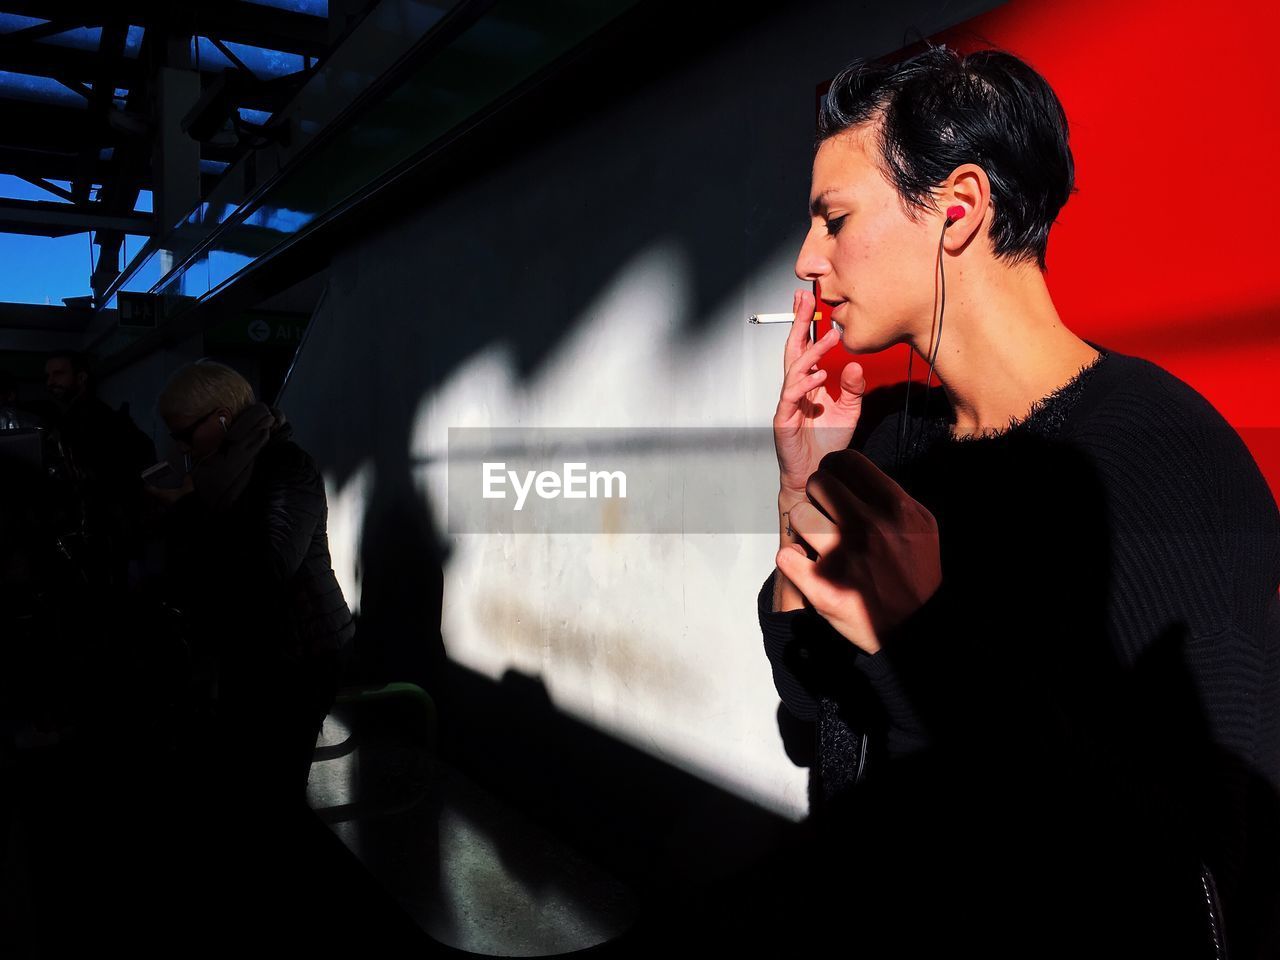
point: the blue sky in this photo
(46, 269)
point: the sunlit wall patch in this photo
(348, 507)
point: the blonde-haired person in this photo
(202, 388)
(249, 559)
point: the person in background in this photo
(248, 561)
(98, 455)
(104, 444)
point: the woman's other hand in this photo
(878, 557)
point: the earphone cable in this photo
(933, 354)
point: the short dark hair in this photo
(939, 109)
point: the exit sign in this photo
(139, 310)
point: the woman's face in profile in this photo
(874, 265)
(198, 436)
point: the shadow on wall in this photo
(401, 562)
(511, 241)
(709, 158)
(515, 253)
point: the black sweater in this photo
(1090, 704)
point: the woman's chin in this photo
(858, 341)
(853, 340)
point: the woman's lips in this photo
(835, 311)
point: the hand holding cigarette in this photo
(808, 424)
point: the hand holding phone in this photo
(165, 483)
(162, 475)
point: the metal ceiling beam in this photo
(41, 341)
(50, 188)
(270, 95)
(76, 86)
(101, 104)
(43, 140)
(64, 63)
(47, 218)
(234, 20)
(38, 316)
(49, 127)
(33, 164)
(119, 193)
(266, 95)
(40, 31)
(230, 55)
(36, 165)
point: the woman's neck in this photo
(1002, 347)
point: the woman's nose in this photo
(811, 264)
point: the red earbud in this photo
(955, 213)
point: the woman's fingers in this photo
(801, 377)
(802, 305)
(857, 474)
(846, 510)
(795, 391)
(813, 353)
(808, 522)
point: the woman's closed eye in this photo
(834, 225)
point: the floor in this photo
(473, 873)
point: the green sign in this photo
(257, 329)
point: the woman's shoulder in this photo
(1163, 451)
(282, 459)
(1160, 422)
(1129, 378)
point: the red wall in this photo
(1168, 249)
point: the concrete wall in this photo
(139, 385)
(600, 277)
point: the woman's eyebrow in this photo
(818, 205)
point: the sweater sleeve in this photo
(788, 636)
(904, 717)
(810, 660)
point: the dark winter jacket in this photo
(252, 547)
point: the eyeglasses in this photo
(187, 433)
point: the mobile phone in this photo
(162, 475)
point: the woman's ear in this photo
(968, 188)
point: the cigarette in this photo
(784, 318)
